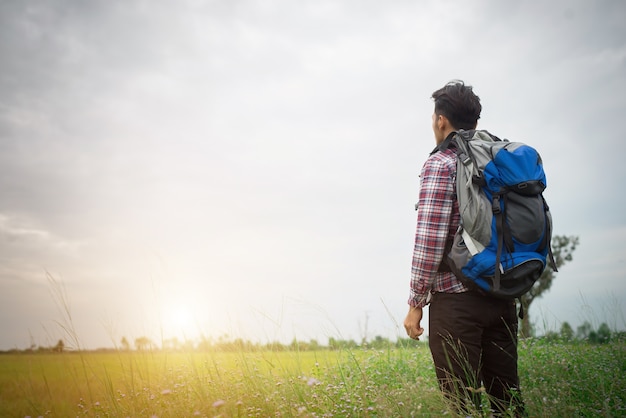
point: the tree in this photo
(601, 336)
(567, 333)
(583, 331)
(125, 344)
(59, 347)
(314, 345)
(562, 249)
(142, 343)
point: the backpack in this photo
(503, 240)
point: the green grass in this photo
(558, 380)
(574, 379)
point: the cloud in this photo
(251, 153)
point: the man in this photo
(473, 337)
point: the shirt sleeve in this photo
(435, 204)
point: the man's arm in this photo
(436, 199)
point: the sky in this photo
(249, 169)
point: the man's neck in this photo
(446, 134)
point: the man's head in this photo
(456, 107)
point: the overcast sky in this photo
(250, 167)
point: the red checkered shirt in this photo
(437, 220)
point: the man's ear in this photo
(442, 122)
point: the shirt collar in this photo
(445, 144)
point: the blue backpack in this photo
(503, 240)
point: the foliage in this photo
(585, 333)
(125, 344)
(567, 333)
(601, 336)
(59, 347)
(142, 343)
(562, 249)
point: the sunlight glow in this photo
(179, 322)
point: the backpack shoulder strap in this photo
(450, 139)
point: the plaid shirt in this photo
(437, 221)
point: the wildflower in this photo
(218, 403)
(166, 392)
(312, 381)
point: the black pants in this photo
(473, 341)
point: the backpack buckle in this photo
(495, 204)
(464, 158)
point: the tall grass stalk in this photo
(59, 295)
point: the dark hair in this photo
(459, 104)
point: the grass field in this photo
(558, 380)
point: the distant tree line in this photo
(59, 347)
(584, 333)
(225, 343)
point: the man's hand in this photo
(412, 323)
